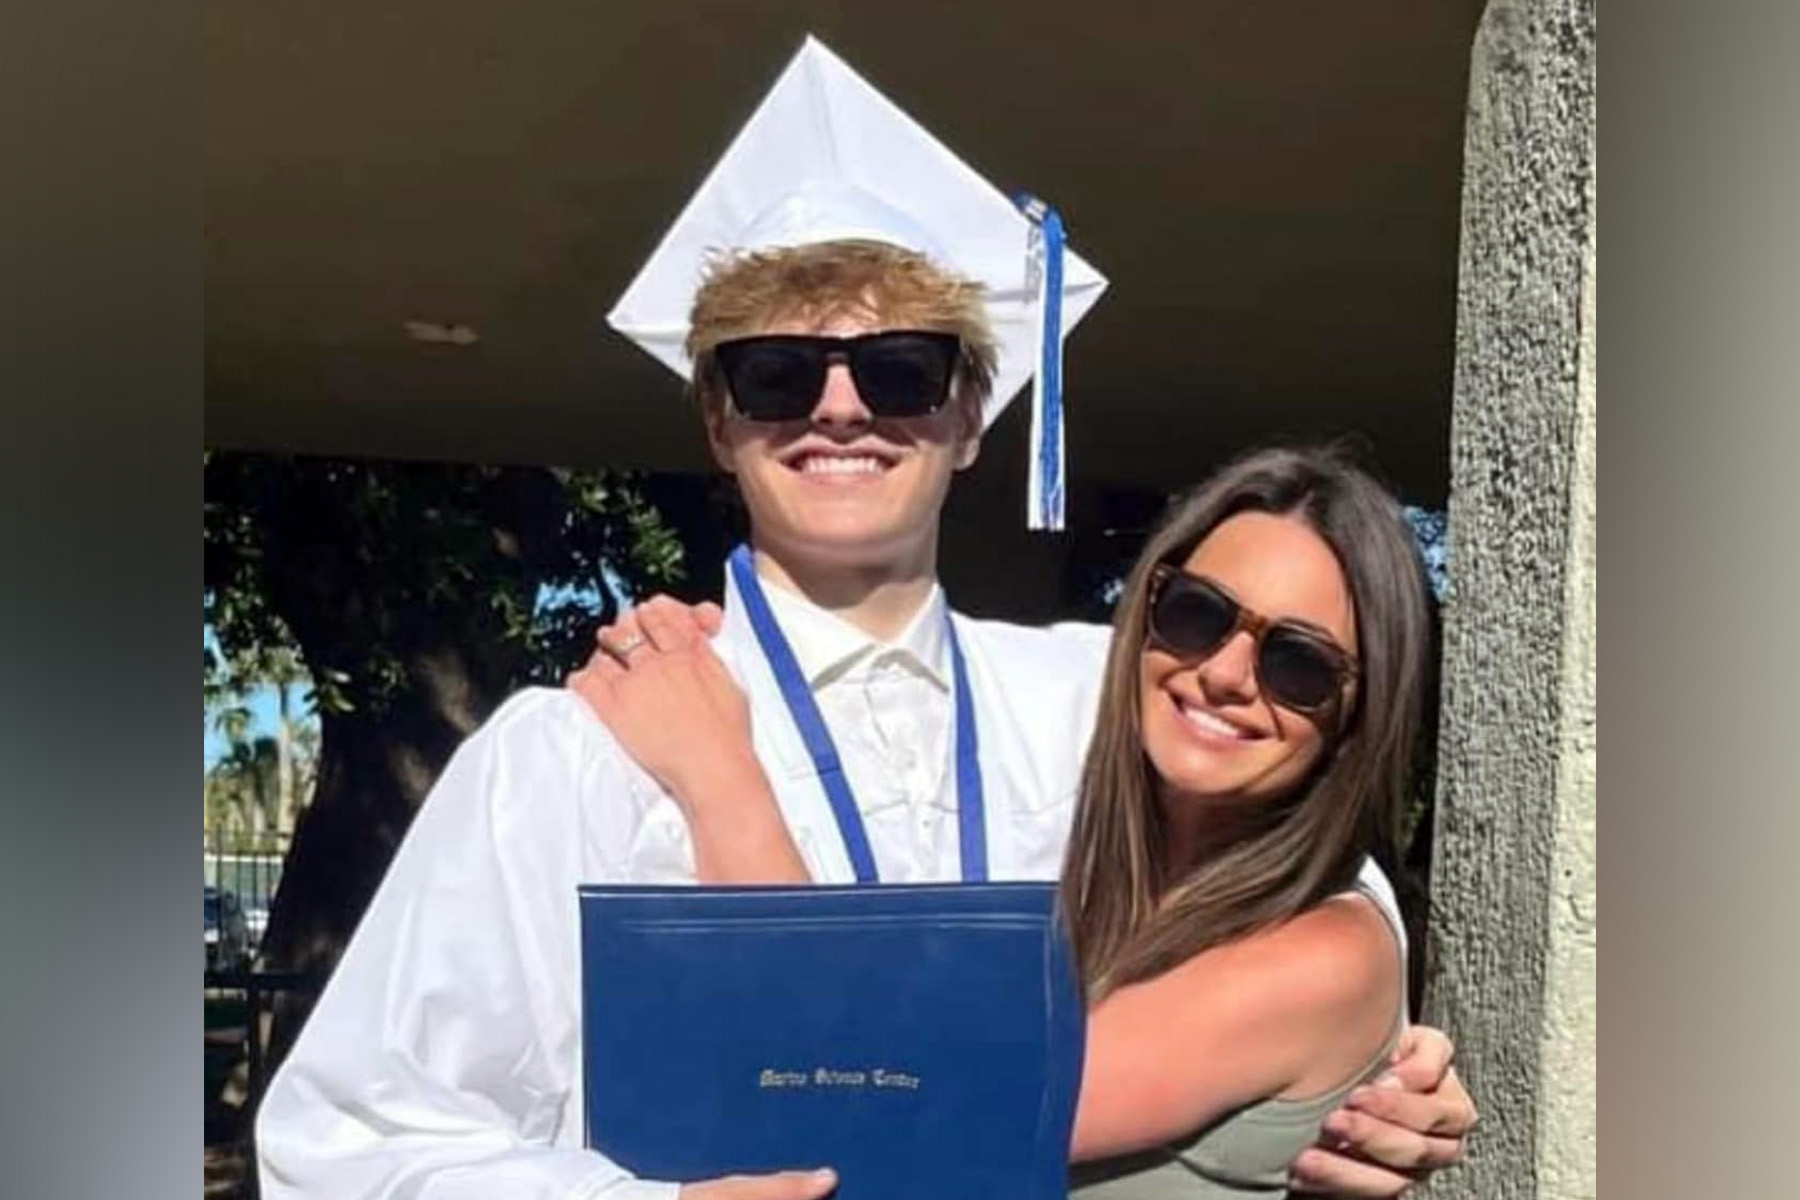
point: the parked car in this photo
(227, 933)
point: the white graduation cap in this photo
(827, 157)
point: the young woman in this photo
(1257, 725)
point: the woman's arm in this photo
(1291, 1012)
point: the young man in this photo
(442, 1062)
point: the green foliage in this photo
(241, 791)
(350, 576)
(611, 530)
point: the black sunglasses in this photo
(1297, 667)
(898, 373)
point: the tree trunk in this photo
(375, 768)
(284, 758)
(403, 586)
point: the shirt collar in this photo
(828, 647)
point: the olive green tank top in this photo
(1244, 1153)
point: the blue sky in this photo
(263, 712)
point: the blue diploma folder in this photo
(924, 1040)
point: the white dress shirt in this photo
(890, 710)
(442, 1062)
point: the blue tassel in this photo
(1045, 504)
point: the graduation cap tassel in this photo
(1044, 499)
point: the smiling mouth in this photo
(839, 465)
(1211, 724)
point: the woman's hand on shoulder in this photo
(673, 707)
(669, 701)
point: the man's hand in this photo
(785, 1185)
(1394, 1132)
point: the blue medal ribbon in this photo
(970, 814)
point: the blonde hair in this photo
(743, 293)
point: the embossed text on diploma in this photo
(838, 1077)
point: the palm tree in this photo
(244, 789)
(261, 783)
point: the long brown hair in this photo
(1130, 921)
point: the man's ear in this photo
(968, 433)
(714, 418)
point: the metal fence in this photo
(242, 876)
(246, 870)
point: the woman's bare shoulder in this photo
(1336, 976)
